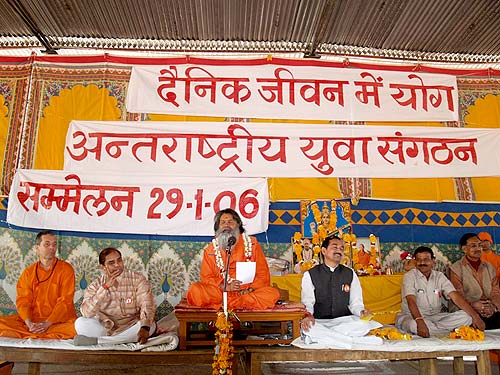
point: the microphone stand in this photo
(224, 296)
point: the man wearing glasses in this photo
(476, 281)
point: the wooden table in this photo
(36, 357)
(188, 316)
(427, 360)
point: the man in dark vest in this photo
(331, 290)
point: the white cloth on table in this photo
(342, 332)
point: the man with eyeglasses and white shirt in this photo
(476, 281)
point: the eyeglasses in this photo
(474, 245)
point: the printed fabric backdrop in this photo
(173, 263)
(62, 89)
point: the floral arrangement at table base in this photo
(467, 333)
(224, 351)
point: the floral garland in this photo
(297, 242)
(297, 245)
(389, 333)
(223, 357)
(247, 242)
(467, 333)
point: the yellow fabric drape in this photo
(303, 188)
(78, 103)
(431, 189)
(87, 101)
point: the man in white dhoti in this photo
(333, 298)
(421, 308)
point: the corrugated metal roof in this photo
(458, 30)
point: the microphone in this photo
(230, 242)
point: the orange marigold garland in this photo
(223, 357)
(389, 333)
(467, 333)
(297, 246)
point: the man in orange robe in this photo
(45, 293)
(488, 255)
(363, 256)
(255, 295)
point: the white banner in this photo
(152, 204)
(281, 150)
(292, 92)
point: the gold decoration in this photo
(332, 225)
(316, 212)
(306, 266)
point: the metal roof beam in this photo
(18, 7)
(320, 31)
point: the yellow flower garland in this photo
(297, 246)
(467, 333)
(223, 357)
(389, 333)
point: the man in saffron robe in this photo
(45, 294)
(488, 255)
(255, 295)
(363, 256)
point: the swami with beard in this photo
(256, 295)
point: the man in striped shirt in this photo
(118, 307)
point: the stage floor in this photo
(314, 368)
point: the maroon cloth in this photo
(474, 264)
(288, 306)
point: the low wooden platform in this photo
(187, 315)
(255, 356)
(427, 360)
(36, 357)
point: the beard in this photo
(224, 235)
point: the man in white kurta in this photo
(421, 308)
(333, 298)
